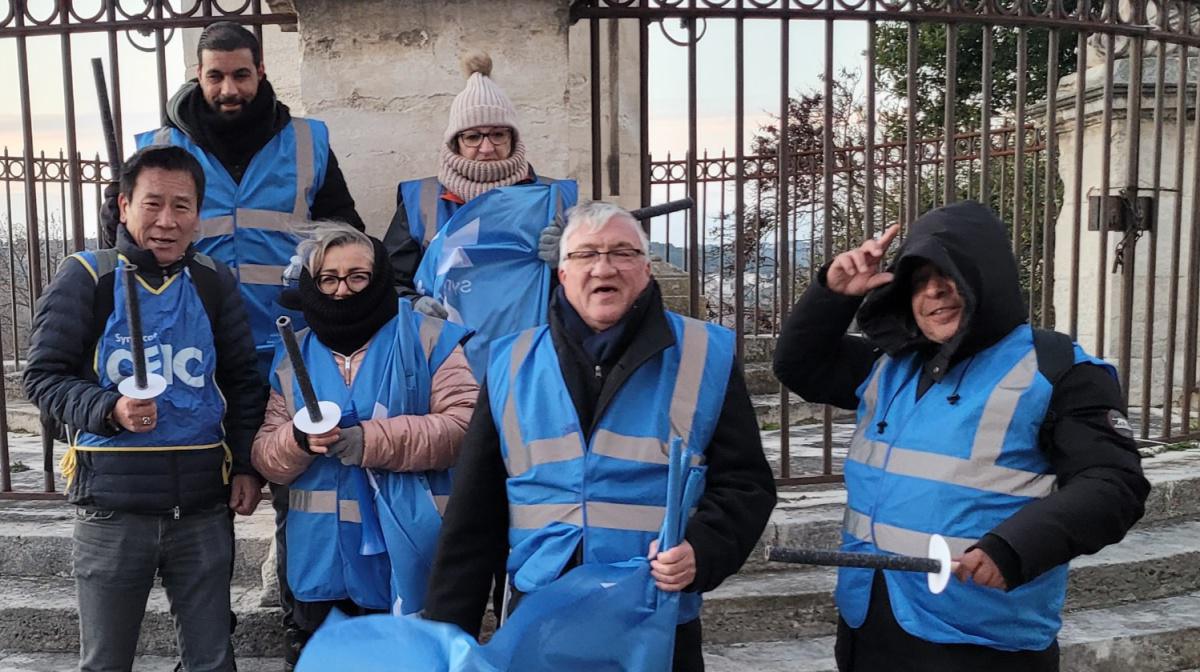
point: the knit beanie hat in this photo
(482, 102)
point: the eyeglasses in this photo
(328, 283)
(498, 138)
(624, 257)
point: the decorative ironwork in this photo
(63, 17)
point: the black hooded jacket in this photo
(1101, 489)
(236, 144)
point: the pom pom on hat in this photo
(482, 102)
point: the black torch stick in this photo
(133, 315)
(284, 325)
(110, 135)
(651, 211)
(901, 563)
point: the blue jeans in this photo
(116, 556)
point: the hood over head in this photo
(968, 243)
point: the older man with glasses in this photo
(564, 463)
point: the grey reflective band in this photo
(312, 501)
(106, 262)
(510, 422)
(537, 516)
(249, 218)
(633, 517)
(427, 205)
(204, 260)
(897, 539)
(429, 333)
(163, 136)
(979, 471)
(348, 511)
(632, 448)
(693, 353)
(610, 515)
(544, 451)
(305, 170)
(258, 274)
(440, 502)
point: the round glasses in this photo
(328, 283)
(498, 138)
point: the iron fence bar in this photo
(703, 243)
(1160, 74)
(1193, 288)
(985, 119)
(692, 224)
(160, 61)
(72, 143)
(5, 461)
(1050, 230)
(614, 111)
(1033, 238)
(923, 16)
(45, 224)
(1133, 116)
(1081, 58)
(594, 85)
(114, 24)
(256, 8)
(723, 217)
(30, 190)
(1018, 222)
(869, 195)
(114, 66)
(910, 151)
(782, 257)
(62, 205)
(644, 108)
(12, 268)
(950, 189)
(1105, 185)
(1176, 243)
(739, 203)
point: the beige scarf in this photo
(468, 179)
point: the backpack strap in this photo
(208, 286)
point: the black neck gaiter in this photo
(345, 325)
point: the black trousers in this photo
(882, 645)
(688, 654)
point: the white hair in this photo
(591, 216)
(323, 236)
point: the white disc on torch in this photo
(939, 550)
(155, 385)
(331, 415)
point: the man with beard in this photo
(265, 171)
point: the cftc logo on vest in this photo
(160, 358)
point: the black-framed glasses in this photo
(498, 137)
(624, 257)
(328, 283)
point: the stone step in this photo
(39, 615)
(758, 348)
(760, 379)
(22, 417)
(768, 406)
(58, 662)
(35, 541)
(1151, 636)
(1153, 562)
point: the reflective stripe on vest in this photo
(324, 501)
(429, 210)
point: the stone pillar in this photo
(382, 74)
(1093, 142)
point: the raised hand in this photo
(858, 271)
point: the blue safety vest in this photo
(918, 467)
(248, 225)
(481, 262)
(178, 342)
(606, 495)
(342, 521)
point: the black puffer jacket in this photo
(60, 380)
(187, 111)
(1101, 489)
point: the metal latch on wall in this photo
(1131, 215)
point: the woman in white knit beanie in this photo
(481, 150)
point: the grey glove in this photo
(349, 446)
(548, 243)
(427, 305)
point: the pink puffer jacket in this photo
(402, 443)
